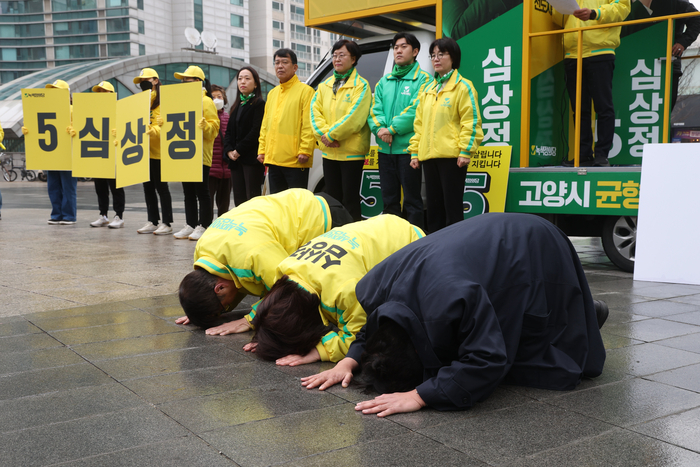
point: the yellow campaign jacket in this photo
(342, 117)
(211, 131)
(154, 138)
(448, 122)
(286, 128)
(2, 137)
(596, 41)
(332, 264)
(246, 244)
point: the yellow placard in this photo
(488, 175)
(181, 140)
(94, 117)
(133, 118)
(47, 116)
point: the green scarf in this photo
(442, 79)
(245, 99)
(401, 71)
(339, 77)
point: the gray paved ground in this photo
(93, 371)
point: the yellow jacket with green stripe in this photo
(332, 264)
(246, 244)
(448, 121)
(595, 41)
(342, 117)
(211, 128)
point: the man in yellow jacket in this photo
(315, 288)
(598, 65)
(239, 254)
(286, 143)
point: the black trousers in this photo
(284, 178)
(247, 181)
(149, 190)
(198, 192)
(102, 188)
(220, 191)
(444, 190)
(343, 180)
(596, 86)
(395, 172)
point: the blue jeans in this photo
(63, 189)
(395, 171)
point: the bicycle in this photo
(9, 174)
(30, 175)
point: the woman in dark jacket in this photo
(241, 139)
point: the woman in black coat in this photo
(496, 298)
(241, 138)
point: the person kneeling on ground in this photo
(240, 252)
(316, 289)
(496, 298)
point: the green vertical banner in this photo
(492, 61)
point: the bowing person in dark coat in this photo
(496, 298)
(241, 138)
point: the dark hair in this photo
(198, 299)
(410, 39)
(286, 53)
(287, 321)
(216, 87)
(257, 93)
(156, 102)
(352, 47)
(447, 44)
(390, 362)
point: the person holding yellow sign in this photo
(61, 184)
(198, 192)
(104, 185)
(148, 80)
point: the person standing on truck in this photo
(598, 66)
(447, 132)
(391, 120)
(339, 112)
(286, 143)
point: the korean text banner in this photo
(133, 117)
(94, 117)
(486, 182)
(47, 116)
(181, 140)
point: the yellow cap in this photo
(105, 86)
(191, 72)
(145, 74)
(59, 84)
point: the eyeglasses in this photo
(339, 56)
(439, 56)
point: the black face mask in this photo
(145, 85)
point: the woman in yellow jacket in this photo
(315, 288)
(447, 132)
(148, 80)
(339, 112)
(198, 221)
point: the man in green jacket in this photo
(391, 120)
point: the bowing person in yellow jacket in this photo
(339, 112)
(287, 142)
(447, 132)
(316, 289)
(239, 254)
(199, 220)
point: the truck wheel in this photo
(620, 241)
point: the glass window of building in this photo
(237, 2)
(278, 25)
(118, 25)
(142, 49)
(277, 44)
(68, 5)
(120, 49)
(278, 6)
(139, 4)
(237, 42)
(30, 6)
(75, 27)
(117, 3)
(21, 30)
(142, 27)
(67, 52)
(236, 21)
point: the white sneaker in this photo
(163, 229)
(150, 227)
(117, 223)
(197, 233)
(184, 233)
(101, 222)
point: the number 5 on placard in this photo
(47, 115)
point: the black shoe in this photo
(583, 163)
(602, 162)
(601, 312)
